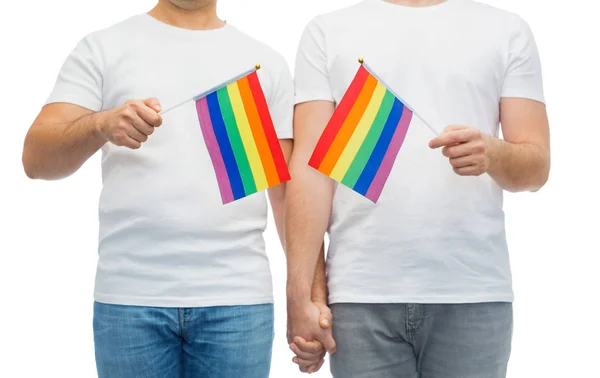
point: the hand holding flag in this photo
(359, 145)
(466, 148)
(130, 124)
(240, 137)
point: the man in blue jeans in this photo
(183, 286)
(419, 283)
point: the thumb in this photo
(153, 103)
(325, 318)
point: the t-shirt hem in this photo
(75, 100)
(421, 299)
(180, 302)
(282, 135)
(524, 94)
(313, 97)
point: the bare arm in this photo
(61, 139)
(310, 354)
(319, 292)
(521, 162)
(277, 193)
(277, 199)
(518, 162)
(308, 208)
(64, 136)
(309, 199)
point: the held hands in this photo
(130, 124)
(467, 149)
(310, 322)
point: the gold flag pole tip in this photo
(257, 66)
(361, 60)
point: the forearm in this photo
(307, 218)
(277, 194)
(319, 286)
(277, 199)
(54, 151)
(518, 167)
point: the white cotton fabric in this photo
(165, 237)
(433, 237)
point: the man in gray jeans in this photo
(419, 282)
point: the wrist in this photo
(490, 147)
(320, 299)
(298, 296)
(319, 293)
(98, 123)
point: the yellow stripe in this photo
(247, 138)
(359, 135)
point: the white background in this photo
(49, 231)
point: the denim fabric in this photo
(421, 340)
(207, 342)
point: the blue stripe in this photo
(235, 180)
(368, 174)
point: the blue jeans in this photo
(207, 342)
(421, 340)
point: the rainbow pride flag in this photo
(361, 140)
(240, 138)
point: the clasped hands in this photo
(309, 335)
(309, 324)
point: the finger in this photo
(465, 161)
(452, 137)
(308, 346)
(472, 170)
(126, 141)
(464, 149)
(329, 343)
(142, 126)
(316, 368)
(453, 128)
(135, 134)
(304, 363)
(153, 103)
(321, 364)
(149, 115)
(306, 356)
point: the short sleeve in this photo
(281, 101)
(79, 81)
(524, 72)
(311, 77)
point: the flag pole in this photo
(362, 61)
(207, 92)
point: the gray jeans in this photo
(421, 341)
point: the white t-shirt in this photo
(433, 236)
(166, 239)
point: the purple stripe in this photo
(213, 150)
(390, 156)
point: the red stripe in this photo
(337, 120)
(267, 122)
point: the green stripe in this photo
(366, 149)
(236, 141)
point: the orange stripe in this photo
(258, 132)
(347, 129)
